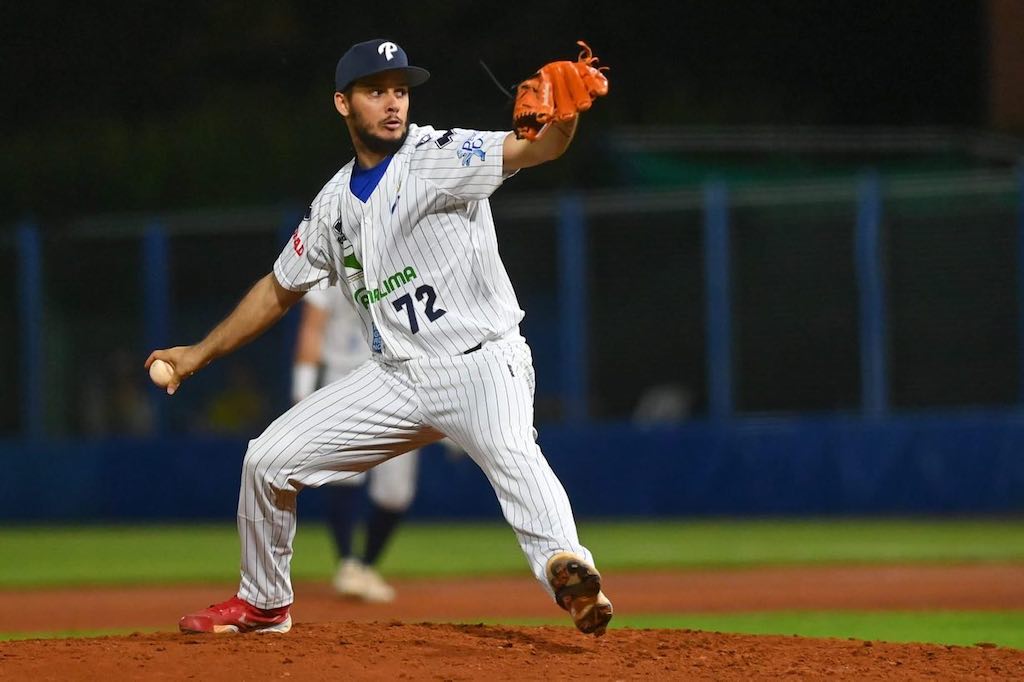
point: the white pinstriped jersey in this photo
(419, 258)
(343, 347)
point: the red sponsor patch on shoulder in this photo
(297, 242)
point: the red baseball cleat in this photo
(236, 615)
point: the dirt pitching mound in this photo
(396, 650)
(335, 639)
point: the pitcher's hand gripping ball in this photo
(161, 372)
(558, 92)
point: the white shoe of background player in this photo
(358, 581)
(349, 579)
(375, 589)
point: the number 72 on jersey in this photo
(424, 294)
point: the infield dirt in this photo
(335, 639)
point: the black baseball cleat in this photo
(577, 587)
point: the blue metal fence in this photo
(718, 303)
(871, 289)
(571, 215)
(1020, 281)
(572, 252)
(30, 322)
(156, 288)
(607, 281)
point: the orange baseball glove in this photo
(558, 92)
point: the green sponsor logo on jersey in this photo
(352, 262)
(353, 268)
(367, 296)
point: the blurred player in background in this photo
(330, 345)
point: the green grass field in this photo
(47, 556)
(964, 628)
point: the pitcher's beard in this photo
(379, 145)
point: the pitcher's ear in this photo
(341, 103)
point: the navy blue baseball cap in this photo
(375, 56)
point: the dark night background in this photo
(159, 105)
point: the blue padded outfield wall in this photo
(953, 463)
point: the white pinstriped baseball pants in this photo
(483, 401)
(392, 484)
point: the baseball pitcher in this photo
(405, 229)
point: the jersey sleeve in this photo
(463, 163)
(305, 261)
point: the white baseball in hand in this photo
(161, 372)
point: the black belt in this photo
(473, 349)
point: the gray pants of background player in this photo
(483, 401)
